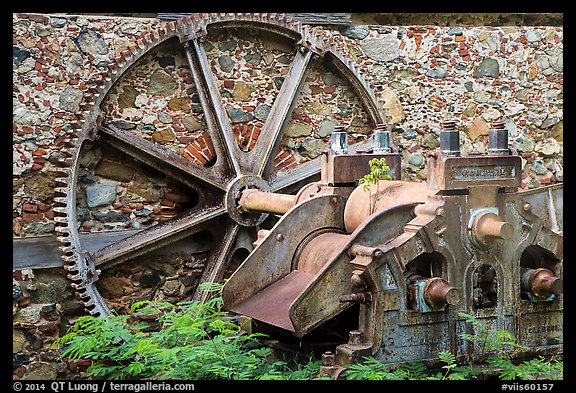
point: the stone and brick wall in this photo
(423, 74)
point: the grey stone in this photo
(295, 130)
(18, 341)
(123, 124)
(29, 315)
(312, 147)
(143, 212)
(43, 31)
(82, 214)
(481, 96)
(454, 31)
(487, 67)
(523, 143)
(523, 94)
(162, 84)
(90, 158)
(57, 21)
(164, 117)
(28, 115)
(326, 128)
(40, 371)
(70, 99)
(226, 63)
(91, 43)
(416, 159)
(261, 112)
(114, 170)
(409, 134)
(345, 110)
(238, 115)
(278, 80)
(549, 122)
(406, 73)
(383, 49)
(129, 28)
(191, 123)
(227, 46)
(437, 73)
(147, 127)
(111, 216)
(20, 54)
(538, 167)
(356, 32)
(253, 58)
(100, 194)
(39, 228)
(127, 99)
(533, 35)
(74, 63)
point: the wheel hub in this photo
(232, 200)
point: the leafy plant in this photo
(195, 342)
(379, 170)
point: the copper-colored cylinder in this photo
(268, 202)
(489, 226)
(438, 293)
(541, 282)
(319, 251)
(387, 193)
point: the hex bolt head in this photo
(355, 337)
(328, 358)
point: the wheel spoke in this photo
(156, 236)
(143, 150)
(288, 178)
(267, 142)
(219, 126)
(217, 261)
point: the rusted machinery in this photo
(408, 257)
(393, 265)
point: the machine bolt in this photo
(381, 139)
(527, 207)
(279, 237)
(498, 139)
(438, 293)
(339, 140)
(541, 282)
(328, 358)
(450, 138)
(359, 297)
(488, 226)
(355, 337)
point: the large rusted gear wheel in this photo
(248, 98)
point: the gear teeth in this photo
(66, 249)
(60, 210)
(74, 277)
(62, 229)
(71, 268)
(69, 258)
(60, 200)
(61, 220)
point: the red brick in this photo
(31, 216)
(459, 38)
(30, 207)
(167, 202)
(176, 197)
